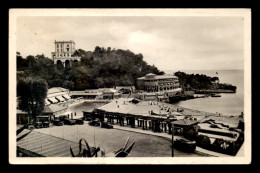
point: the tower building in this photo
(64, 53)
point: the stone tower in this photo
(64, 53)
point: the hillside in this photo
(97, 69)
(202, 82)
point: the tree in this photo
(201, 82)
(22, 63)
(203, 141)
(161, 73)
(190, 133)
(241, 125)
(99, 68)
(108, 49)
(32, 93)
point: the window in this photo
(68, 45)
(57, 45)
(68, 54)
(68, 49)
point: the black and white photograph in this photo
(129, 86)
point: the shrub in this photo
(203, 141)
(189, 133)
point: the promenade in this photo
(146, 145)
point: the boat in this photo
(177, 98)
(215, 95)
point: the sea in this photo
(228, 103)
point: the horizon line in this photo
(204, 70)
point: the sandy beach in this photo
(234, 120)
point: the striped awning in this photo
(66, 96)
(53, 100)
(47, 102)
(60, 98)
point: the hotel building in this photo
(158, 83)
(64, 53)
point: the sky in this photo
(169, 43)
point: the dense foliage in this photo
(32, 93)
(201, 82)
(220, 145)
(97, 69)
(190, 133)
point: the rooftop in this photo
(53, 108)
(108, 90)
(125, 87)
(136, 107)
(70, 41)
(218, 128)
(185, 122)
(153, 76)
(56, 90)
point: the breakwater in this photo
(213, 91)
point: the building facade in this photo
(64, 53)
(98, 94)
(158, 83)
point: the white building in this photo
(64, 53)
(158, 83)
(56, 95)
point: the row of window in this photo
(68, 49)
(159, 89)
(156, 80)
(64, 55)
(61, 45)
(152, 87)
(171, 83)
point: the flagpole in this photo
(172, 140)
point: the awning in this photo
(47, 102)
(53, 100)
(66, 96)
(60, 98)
(160, 97)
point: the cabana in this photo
(147, 115)
(60, 98)
(53, 100)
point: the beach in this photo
(229, 104)
(234, 120)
